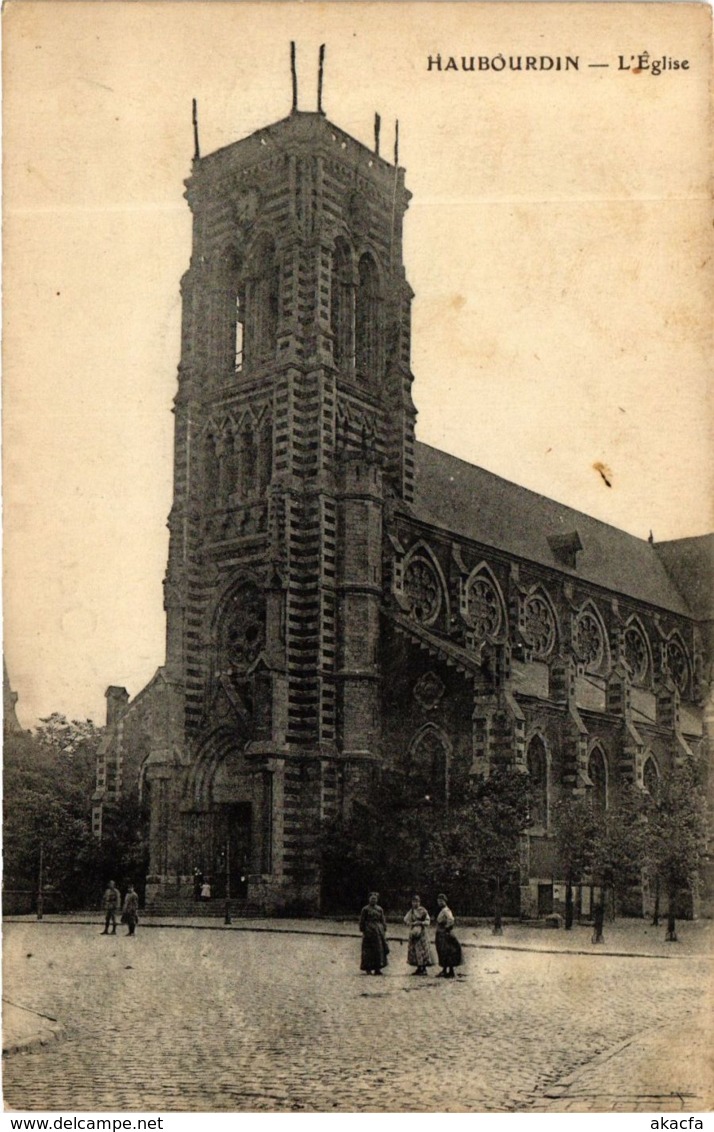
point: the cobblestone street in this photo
(192, 1020)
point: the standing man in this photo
(130, 911)
(110, 903)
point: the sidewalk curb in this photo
(34, 1041)
(244, 926)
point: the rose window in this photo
(588, 639)
(678, 668)
(244, 629)
(484, 608)
(539, 626)
(636, 654)
(422, 591)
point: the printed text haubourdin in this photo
(639, 64)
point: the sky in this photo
(558, 243)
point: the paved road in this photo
(242, 1021)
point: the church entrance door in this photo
(233, 830)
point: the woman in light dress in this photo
(419, 953)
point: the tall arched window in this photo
(226, 311)
(261, 305)
(427, 766)
(265, 455)
(367, 312)
(597, 773)
(342, 306)
(538, 781)
(248, 457)
(231, 474)
(211, 467)
(650, 777)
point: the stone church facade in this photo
(341, 598)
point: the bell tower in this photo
(293, 424)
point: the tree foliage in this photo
(49, 779)
(398, 845)
(675, 833)
(662, 837)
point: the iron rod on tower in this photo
(196, 147)
(293, 73)
(319, 79)
(396, 142)
(377, 127)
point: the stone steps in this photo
(210, 909)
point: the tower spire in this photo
(196, 147)
(293, 74)
(319, 79)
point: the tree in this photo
(676, 834)
(48, 782)
(397, 841)
(576, 835)
(480, 838)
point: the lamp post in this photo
(227, 916)
(40, 885)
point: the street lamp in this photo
(40, 900)
(227, 915)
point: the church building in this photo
(341, 598)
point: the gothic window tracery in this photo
(589, 640)
(678, 665)
(636, 654)
(538, 781)
(484, 607)
(367, 317)
(422, 590)
(539, 625)
(242, 629)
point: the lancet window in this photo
(342, 307)
(367, 319)
(650, 777)
(427, 766)
(597, 773)
(538, 781)
(262, 305)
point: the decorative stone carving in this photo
(678, 666)
(636, 654)
(243, 628)
(422, 590)
(484, 607)
(589, 640)
(539, 629)
(428, 690)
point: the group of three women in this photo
(375, 949)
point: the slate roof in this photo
(468, 500)
(690, 561)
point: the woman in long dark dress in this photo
(373, 926)
(419, 950)
(448, 947)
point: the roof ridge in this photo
(539, 495)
